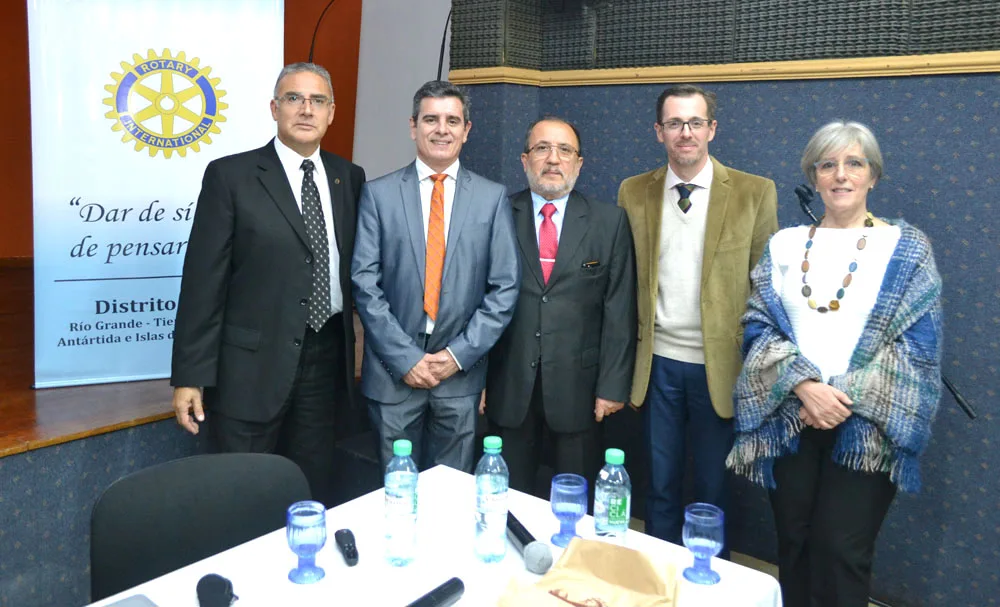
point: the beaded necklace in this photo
(834, 304)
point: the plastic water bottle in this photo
(401, 505)
(612, 498)
(492, 480)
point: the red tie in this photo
(548, 242)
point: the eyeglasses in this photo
(853, 165)
(297, 100)
(542, 150)
(696, 124)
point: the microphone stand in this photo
(806, 197)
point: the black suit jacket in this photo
(241, 316)
(580, 327)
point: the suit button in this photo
(297, 342)
(303, 301)
(538, 333)
(534, 364)
(308, 259)
(545, 299)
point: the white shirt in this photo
(424, 173)
(699, 195)
(557, 218)
(828, 340)
(291, 161)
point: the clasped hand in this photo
(431, 370)
(823, 406)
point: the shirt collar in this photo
(290, 160)
(425, 172)
(703, 179)
(538, 202)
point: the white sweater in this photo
(677, 332)
(828, 340)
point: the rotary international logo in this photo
(165, 103)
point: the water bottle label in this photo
(492, 502)
(618, 511)
(400, 504)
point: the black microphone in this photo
(806, 196)
(537, 556)
(215, 591)
(444, 595)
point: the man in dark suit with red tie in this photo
(264, 340)
(565, 361)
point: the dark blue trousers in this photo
(679, 407)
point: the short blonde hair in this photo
(836, 136)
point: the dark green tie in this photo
(684, 189)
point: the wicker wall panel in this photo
(635, 33)
(585, 34)
(788, 30)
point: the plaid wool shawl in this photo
(894, 376)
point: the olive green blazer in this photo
(742, 216)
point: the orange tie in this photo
(434, 263)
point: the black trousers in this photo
(523, 447)
(827, 517)
(303, 431)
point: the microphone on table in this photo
(215, 591)
(444, 595)
(537, 556)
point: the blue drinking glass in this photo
(703, 536)
(569, 504)
(306, 531)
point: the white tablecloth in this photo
(259, 568)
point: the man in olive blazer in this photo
(699, 228)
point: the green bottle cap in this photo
(402, 447)
(615, 457)
(493, 443)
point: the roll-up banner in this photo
(130, 100)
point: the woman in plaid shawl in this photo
(841, 377)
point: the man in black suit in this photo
(264, 330)
(565, 361)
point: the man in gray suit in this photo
(436, 278)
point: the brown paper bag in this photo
(598, 574)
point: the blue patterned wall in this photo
(939, 137)
(46, 497)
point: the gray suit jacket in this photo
(478, 289)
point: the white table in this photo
(259, 568)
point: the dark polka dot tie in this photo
(312, 212)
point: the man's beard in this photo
(551, 189)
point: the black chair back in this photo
(173, 514)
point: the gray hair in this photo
(297, 68)
(439, 89)
(836, 136)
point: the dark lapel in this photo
(524, 223)
(272, 177)
(409, 192)
(336, 182)
(718, 203)
(574, 228)
(459, 211)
